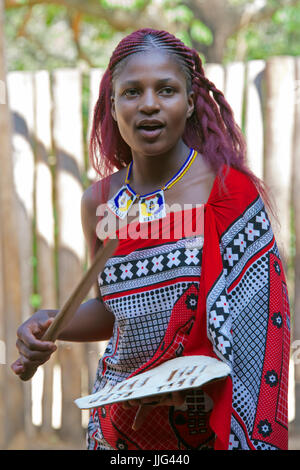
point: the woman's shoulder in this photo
(232, 194)
(238, 184)
(101, 190)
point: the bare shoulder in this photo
(201, 180)
(95, 195)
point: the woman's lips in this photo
(150, 129)
(150, 132)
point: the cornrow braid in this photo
(211, 129)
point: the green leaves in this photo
(122, 4)
(201, 33)
(288, 17)
(35, 301)
(181, 13)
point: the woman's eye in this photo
(131, 92)
(167, 91)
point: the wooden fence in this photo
(43, 249)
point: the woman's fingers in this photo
(34, 355)
(31, 336)
(18, 366)
(33, 351)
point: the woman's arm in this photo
(91, 322)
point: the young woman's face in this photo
(150, 102)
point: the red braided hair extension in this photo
(211, 130)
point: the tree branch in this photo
(22, 29)
(39, 46)
(75, 23)
(119, 19)
(263, 14)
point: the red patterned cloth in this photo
(227, 299)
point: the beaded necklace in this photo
(151, 205)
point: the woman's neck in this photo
(152, 172)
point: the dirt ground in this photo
(43, 442)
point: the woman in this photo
(171, 136)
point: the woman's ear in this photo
(191, 104)
(112, 108)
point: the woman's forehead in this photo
(156, 65)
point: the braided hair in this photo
(211, 130)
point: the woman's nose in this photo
(149, 102)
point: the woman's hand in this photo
(33, 351)
(146, 404)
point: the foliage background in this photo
(45, 34)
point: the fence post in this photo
(254, 121)
(234, 88)
(296, 206)
(280, 82)
(216, 74)
(20, 88)
(68, 142)
(44, 214)
(11, 405)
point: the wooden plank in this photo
(44, 227)
(296, 206)
(68, 141)
(280, 77)
(254, 119)
(216, 74)
(234, 88)
(11, 404)
(95, 79)
(20, 89)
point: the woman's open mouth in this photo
(150, 129)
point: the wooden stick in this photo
(75, 300)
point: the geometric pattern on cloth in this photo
(154, 301)
(244, 239)
(249, 302)
(140, 341)
(238, 440)
(239, 244)
(249, 328)
(281, 415)
(244, 288)
(244, 296)
(141, 289)
(150, 266)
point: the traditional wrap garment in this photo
(227, 299)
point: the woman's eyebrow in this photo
(130, 83)
(133, 83)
